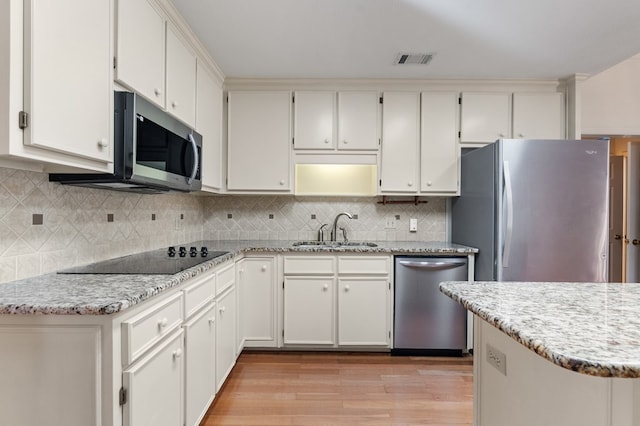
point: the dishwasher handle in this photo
(432, 264)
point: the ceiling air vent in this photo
(413, 58)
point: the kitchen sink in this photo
(322, 244)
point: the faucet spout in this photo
(335, 224)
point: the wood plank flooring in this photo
(294, 388)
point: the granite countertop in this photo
(100, 294)
(591, 328)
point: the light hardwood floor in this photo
(294, 388)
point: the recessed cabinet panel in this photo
(400, 142)
(485, 117)
(259, 134)
(538, 115)
(68, 87)
(363, 311)
(440, 151)
(141, 49)
(314, 116)
(358, 120)
(309, 310)
(225, 335)
(209, 125)
(258, 300)
(181, 79)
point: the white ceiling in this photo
(520, 39)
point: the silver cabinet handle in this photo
(508, 198)
(196, 159)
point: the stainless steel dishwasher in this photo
(425, 320)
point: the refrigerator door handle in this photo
(508, 197)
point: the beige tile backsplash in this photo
(75, 229)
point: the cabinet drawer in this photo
(309, 265)
(142, 331)
(363, 265)
(199, 293)
(225, 278)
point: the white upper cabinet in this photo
(485, 117)
(440, 151)
(141, 49)
(68, 86)
(259, 136)
(358, 120)
(181, 78)
(209, 125)
(347, 121)
(399, 166)
(314, 116)
(538, 115)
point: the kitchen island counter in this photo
(100, 294)
(554, 353)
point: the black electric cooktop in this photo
(157, 262)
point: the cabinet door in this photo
(440, 152)
(538, 116)
(200, 363)
(363, 311)
(314, 115)
(154, 384)
(400, 142)
(209, 125)
(141, 49)
(309, 310)
(259, 141)
(358, 120)
(181, 79)
(68, 81)
(485, 117)
(258, 301)
(225, 335)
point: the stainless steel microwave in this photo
(153, 152)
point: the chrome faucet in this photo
(321, 232)
(334, 228)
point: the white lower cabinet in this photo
(154, 385)
(200, 371)
(363, 311)
(340, 301)
(225, 335)
(309, 311)
(257, 301)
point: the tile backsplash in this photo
(82, 225)
(45, 226)
(299, 218)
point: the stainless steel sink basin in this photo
(321, 244)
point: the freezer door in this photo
(553, 211)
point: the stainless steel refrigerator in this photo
(536, 209)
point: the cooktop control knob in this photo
(204, 252)
(193, 251)
(171, 251)
(182, 251)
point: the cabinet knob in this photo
(501, 135)
(429, 183)
(222, 309)
(410, 183)
(327, 141)
(264, 268)
(325, 287)
(520, 135)
(282, 183)
(346, 287)
(345, 141)
(102, 143)
(177, 353)
(162, 323)
(174, 104)
(212, 320)
(157, 92)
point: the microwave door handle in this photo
(195, 160)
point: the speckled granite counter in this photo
(92, 294)
(591, 328)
